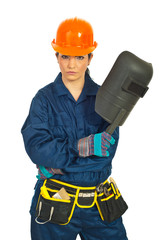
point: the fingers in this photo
(107, 141)
(108, 138)
(100, 144)
(105, 153)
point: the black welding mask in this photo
(125, 84)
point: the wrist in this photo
(83, 147)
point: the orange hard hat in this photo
(74, 38)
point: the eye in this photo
(80, 57)
(64, 57)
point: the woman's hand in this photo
(95, 144)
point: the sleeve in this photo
(42, 148)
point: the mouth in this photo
(71, 73)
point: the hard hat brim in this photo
(74, 51)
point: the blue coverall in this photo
(51, 131)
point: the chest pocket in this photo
(61, 125)
(59, 119)
(93, 122)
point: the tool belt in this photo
(106, 196)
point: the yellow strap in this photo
(55, 191)
(73, 186)
(107, 198)
(75, 201)
(113, 188)
(44, 193)
(99, 210)
(106, 181)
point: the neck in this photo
(75, 87)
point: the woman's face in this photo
(73, 67)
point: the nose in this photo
(71, 62)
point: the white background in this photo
(28, 63)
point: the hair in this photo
(87, 71)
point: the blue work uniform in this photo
(51, 132)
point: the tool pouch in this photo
(50, 209)
(110, 203)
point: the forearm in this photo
(47, 151)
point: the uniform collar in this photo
(90, 87)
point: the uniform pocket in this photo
(92, 123)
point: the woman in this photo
(66, 139)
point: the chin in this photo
(72, 77)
